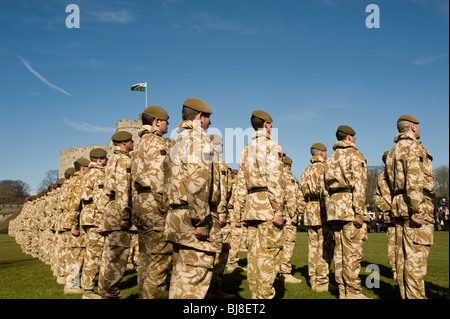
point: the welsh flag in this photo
(141, 87)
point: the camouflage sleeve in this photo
(224, 177)
(359, 181)
(122, 191)
(241, 192)
(275, 181)
(301, 203)
(291, 195)
(414, 179)
(197, 192)
(75, 206)
(383, 196)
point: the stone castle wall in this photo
(68, 156)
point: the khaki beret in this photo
(262, 115)
(319, 146)
(60, 181)
(157, 112)
(98, 153)
(287, 160)
(83, 161)
(346, 130)
(234, 171)
(409, 118)
(121, 136)
(197, 105)
(52, 185)
(215, 139)
(70, 171)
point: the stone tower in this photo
(68, 156)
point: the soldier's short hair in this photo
(403, 126)
(188, 114)
(147, 119)
(77, 166)
(341, 135)
(257, 123)
(315, 152)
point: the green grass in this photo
(24, 277)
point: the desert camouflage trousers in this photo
(290, 234)
(320, 254)
(191, 272)
(392, 240)
(236, 242)
(155, 260)
(45, 245)
(114, 263)
(221, 259)
(412, 250)
(348, 253)
(74, 258)
(91, 266)
(265, 242)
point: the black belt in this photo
(257, 190)
(112, 196)
(87, 202)
(182, 206)
(144, 190)
(311, 199)
(340, 190)
(400, 192)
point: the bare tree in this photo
(371, 188)
(13, 191)
(441, 183)
(50, 178)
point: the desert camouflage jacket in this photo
(193, 186)
(92, 194)
(345, 178)
(383, 197)
(311, 185)
(410, 176)
(260, 183)
(117, 190)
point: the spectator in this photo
(380, 223)
(443, 203)
(446, 217)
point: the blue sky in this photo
(312, 64)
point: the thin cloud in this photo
(85, 127)
(40, 77)
(122, 16)
(429, 59)
(210, 22)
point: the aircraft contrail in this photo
(40, 77)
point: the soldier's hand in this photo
(238, 225)
(358, 222)
(222, 221)
(99, 229)
(201, 233)
(278, 220)
(294, 221)
(124, 225)
(418, 221)
(75, 232)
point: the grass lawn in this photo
(24, 277)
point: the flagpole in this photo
(145, 94)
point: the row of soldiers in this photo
(188, 209)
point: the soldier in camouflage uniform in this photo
(410, 177)
(193, 185)
(221, 212)
(148, 172)
(320, 234)
(345, 177)
(290, 227)
(260, 193)
(90, 219)
(235, 225)
(383, 200)
(116, 221)
(74, 235)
